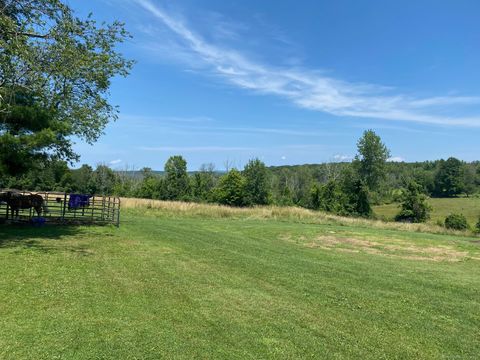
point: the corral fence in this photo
(64, 208)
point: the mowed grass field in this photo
(470, 207)
(210, 283)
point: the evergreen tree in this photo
(357, 195)
(370, 162)
(414, 206)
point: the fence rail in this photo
(97, 209)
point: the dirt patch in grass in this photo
(400, 249)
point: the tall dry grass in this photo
(178, 208)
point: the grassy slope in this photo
(190, 286)
(470, 207)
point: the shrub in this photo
(414, 208)
(456, 222)
(477, 226)
(407, 216)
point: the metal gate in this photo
(95, 209)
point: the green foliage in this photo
(177, 182)
(231, 189)
(356, 193)
(316, 197)
(329, 197)
(256, 183)
(291, 185)
(26, 130)
(53, 175)
(456, 222)
(359, 200)
(414, 206)
(281, 191)
(477, 226)
(103, 180)
(449, 178)
(203, 183)
(82, 180)
(470, 180)
(284, 197)
(370, 161)
(55, 72)
(150, 188)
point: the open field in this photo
(197, 281)
(470, 207)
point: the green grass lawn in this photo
(165, 286)
(470, 207)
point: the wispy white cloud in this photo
(115, 162)
(342, 157)
(167, 119)
(186, 149)
(310, 89)
(206, 125)
(277, 131)
(306, 146)
(396, 159)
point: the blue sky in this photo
(291, 82)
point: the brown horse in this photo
(17, 201)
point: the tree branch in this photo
(28, 34)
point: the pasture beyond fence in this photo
(64, 208)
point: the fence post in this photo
(64, 206)
(103, 208)
(108, 208)
(118, 213)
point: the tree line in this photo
(340, 188)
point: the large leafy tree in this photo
(370, 162)
(177, 182)
(449, 178)
(256, 183)
(55, 73)
(231, 189)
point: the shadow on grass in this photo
(30, 237)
